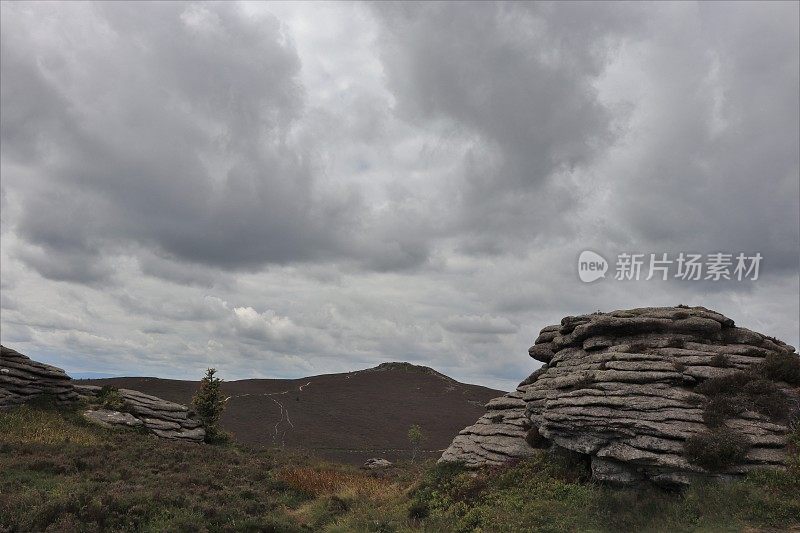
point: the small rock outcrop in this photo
(166, 419)
(22, 380)
(376, 464)
(639, 392)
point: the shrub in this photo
(781, 367)
(717, 449)
(418, 510)
(415, 438)
(209, 404)
(720, 408)
(752, 389)
(110, 398)
(727, 384)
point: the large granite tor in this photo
(621, 388)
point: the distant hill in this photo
(346, 417)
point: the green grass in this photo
(58, 473)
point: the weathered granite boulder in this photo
(166, 419)
(22, 379)
(629, 388)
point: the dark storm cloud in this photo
(165, 125)
(518, 78)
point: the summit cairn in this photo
(665, 394)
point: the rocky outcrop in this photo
(626, 389)
(22, 380)
(166, 419)
(497, 437)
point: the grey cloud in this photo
(520, 77)
(214, 185)
(484, 324)
(176, 132)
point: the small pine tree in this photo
(415, 437)
(209, 404)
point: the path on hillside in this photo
(276, 432)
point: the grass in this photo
(59, 474)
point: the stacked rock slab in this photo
(166, 419)
(22, 380)
(497, 437)
(619, 388)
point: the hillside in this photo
(59, 473)
(347, 417)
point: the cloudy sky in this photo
(287, 189)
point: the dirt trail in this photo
(277, 432)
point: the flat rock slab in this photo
(107, 418)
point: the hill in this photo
(347, 417)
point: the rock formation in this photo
(166, 419)
(635, 391)
(22, 379)
(496, 437)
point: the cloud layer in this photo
(243, 185)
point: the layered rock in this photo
(619, 387)
(166, 419)
(22, 380)
(497, 437)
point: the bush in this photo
(418, 510)
(717, 449)
(781, 367)
(110, 398)
(209, 404)
(753, 389)
(415, 438)
(720, 408)
(727, 384)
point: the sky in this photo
(290, 189)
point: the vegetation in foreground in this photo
(57, 473)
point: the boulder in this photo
(622, 388)
(376, 464)
(22, 379)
